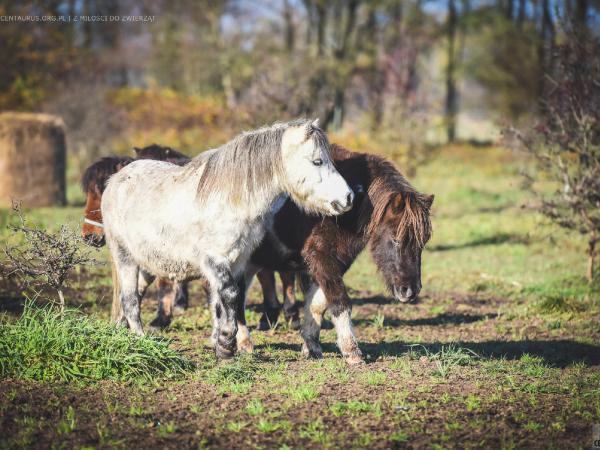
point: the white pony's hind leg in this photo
(225, 292)
(128, 273)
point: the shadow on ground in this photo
(497, 239)
(441, 319)
(559, 353)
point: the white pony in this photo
(205, 219)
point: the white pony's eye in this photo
(318, 162)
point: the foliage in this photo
(504, 60)
(46, 346)
(566, 143)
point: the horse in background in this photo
(225, 199)
(172, 296)
(389, 216)
(161, 153)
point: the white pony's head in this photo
(309, 174)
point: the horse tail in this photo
(116, 315)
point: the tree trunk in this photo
(450, 73)
(290, 31)
(321, 20)
(545, 51)
(521, 13)
(591, 255)
(310, 21)
(581, 11)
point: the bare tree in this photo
(451, 93)
(566, 144)
(44, 256)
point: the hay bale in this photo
(32, 159)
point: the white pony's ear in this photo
(310, 128)
(298, 134)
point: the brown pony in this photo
(389, 216)
(172, 296)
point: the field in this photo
(501, 350)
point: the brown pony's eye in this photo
(318, 162)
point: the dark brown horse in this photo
(389, 216)
(172, 296)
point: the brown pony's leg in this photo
(329, 294)
(244, 344)
(167, 292)
(290, 308)
(315, 305)
(271, 306)
(181, 297)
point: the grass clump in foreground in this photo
(45, 346)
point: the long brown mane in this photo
(410, 209)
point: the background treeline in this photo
(412, 71)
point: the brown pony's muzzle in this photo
(405, 294)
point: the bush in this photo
(41, 345)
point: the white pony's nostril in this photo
(349, 198)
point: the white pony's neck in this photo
(264, 201)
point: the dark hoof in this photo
(225, 348)
(160, 323)
(224, 353)
(294, 323)
(312, 351)
(265, 324)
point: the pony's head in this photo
(310, 176)
(93, 183)
(161, 153)
(398, 229)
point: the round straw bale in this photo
(32, 159)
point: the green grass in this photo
(255, 407)
(506, 327)
(483, 238)
(42, 345)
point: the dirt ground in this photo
(501, 351)
(509, 380)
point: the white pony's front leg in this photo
(225, 293)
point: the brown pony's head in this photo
(161, 153)
(93, 183)
(398, 227)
